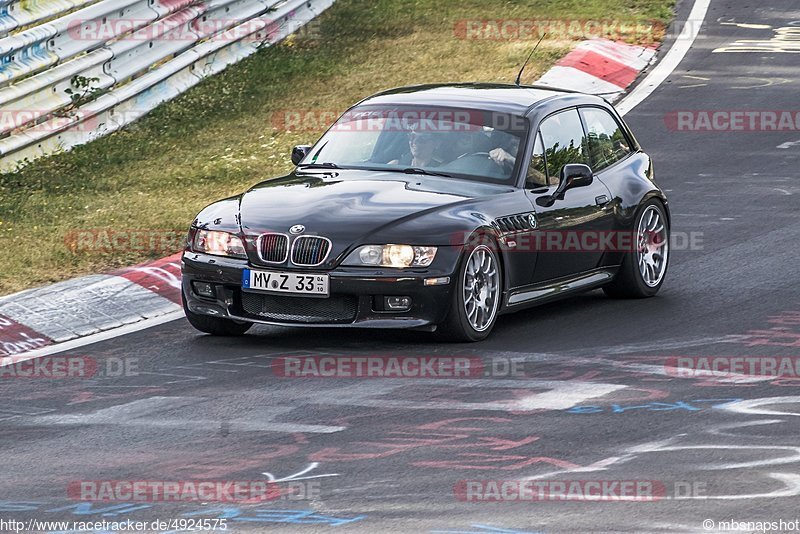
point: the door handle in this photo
(602, 200)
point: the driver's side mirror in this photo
(572, 175)
(299, 153)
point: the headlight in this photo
(218, 244)
(398, 256)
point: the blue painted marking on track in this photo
(266, 515)
(87, 508)
(682, 406)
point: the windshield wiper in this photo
(326, 165)
(414, 170)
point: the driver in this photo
(502, 155)
(422, 148)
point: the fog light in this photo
(204, 289)
(397, 303)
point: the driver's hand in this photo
(501, 157)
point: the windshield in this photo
(465, 143)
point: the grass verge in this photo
(223, 136)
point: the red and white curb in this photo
(600, 67)
(37, 318)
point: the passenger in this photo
(422, 149)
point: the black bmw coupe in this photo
(439, 208)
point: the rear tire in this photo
(476, 297)
(643, 270)
(215, 326)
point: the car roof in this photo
(503, 98)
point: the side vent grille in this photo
(516, 223)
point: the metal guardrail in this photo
(74, 70)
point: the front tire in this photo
(216, 326)
(643, 270)
(476, 297)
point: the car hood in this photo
(349, 205)
(353, 207)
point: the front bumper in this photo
(356, 294)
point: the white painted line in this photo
(789, 144)
(748, 26)
(724, 430)
(754, 406)
(297, 476)
(148, 413)
(124, 412)
(676, 372)
(792, 457)
(559, 399)
(561, 395)
(194, 424)
(670, 62)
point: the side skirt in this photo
(555, 289)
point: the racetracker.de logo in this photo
(733, 366)
(373, 119)
(177, 27)
(56, 367)
(378, 367)
(559, 490)
(106, 240)
(517, 240)
(67, 120)
(572, 29)
(48, 367)
(226, 491)
(738, 120)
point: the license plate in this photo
(294, 283)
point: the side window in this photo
(564, 142)
(537, 172)
(607, 142)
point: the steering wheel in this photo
(473, 155)
(477, 163)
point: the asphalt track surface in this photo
(388, 455)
